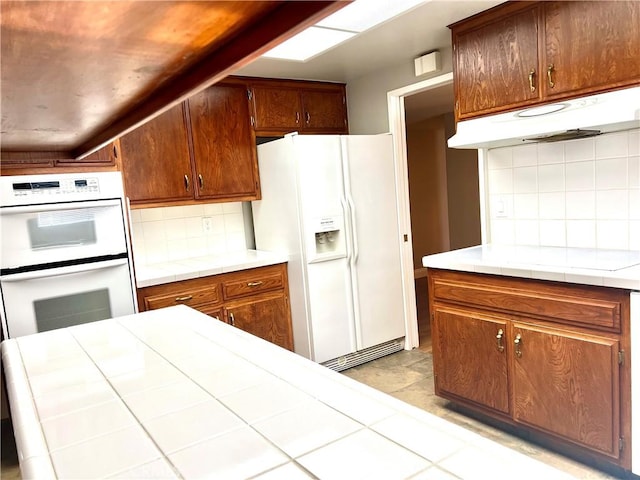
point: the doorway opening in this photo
(441, 204)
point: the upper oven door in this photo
(59, 232)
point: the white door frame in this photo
(397, 126)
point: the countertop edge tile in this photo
(565, 264)
(197, 267)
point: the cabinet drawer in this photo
(191, 297)
(562, 303)
(250, 285)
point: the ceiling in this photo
(395, 42)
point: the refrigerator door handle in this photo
(348, 241)
(354, 232)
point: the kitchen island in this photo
(541, 339)
(171, 393)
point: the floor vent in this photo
(366, 355)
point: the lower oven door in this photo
(61, 297)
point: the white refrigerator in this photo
(329, 202)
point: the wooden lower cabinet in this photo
(262, 317)
(568, 384)
(255, 300)
(522, 352)
(460, 338)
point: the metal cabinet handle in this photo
(532, 75)
(550, 76)
(186, 298)
(200, 181)
(232, 319)
(518, 344)
(297, 118)
(115, 151)
(308, 117)
(499, 343)
(186, 183)
(254, 284)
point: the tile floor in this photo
(407, 375)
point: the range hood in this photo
(566, 120)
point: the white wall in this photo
(367, 96)
(173, 233)
(577, 193)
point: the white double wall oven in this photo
(65, 256)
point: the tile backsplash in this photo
(577, 193)
(173, 233)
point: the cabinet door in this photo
(266, 317)
(156, 165)
(568, 384)
(224, 147)
(276, 109)
(324, 111)
(591, 45)
(470, 357)
(496, 65)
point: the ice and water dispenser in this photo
(328, 240)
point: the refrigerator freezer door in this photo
(331, 310)
(377, 275)
(321, 189)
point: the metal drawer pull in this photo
(518, 343)
(254, 284)
(532, 75)
(186, 183)
(201, 181)
(499, 340)
(232, 320)
(550, 76)
(184, 299)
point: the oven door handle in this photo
(71, 269)
(50, 207)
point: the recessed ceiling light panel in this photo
(361, 15)
(308, 43)
(347, 22)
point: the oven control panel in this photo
(22, 190)
(57, 187)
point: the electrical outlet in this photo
(207, 224)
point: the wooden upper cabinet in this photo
(568, 384)
(224, 147)
(156, 165)
(496, 64)
(521, 54)
(285, 106)
(202, 149)
(324, 111)
(277, 109)
(590, 46)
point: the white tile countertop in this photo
(185, 269)
(590, 266)
(172, 394)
